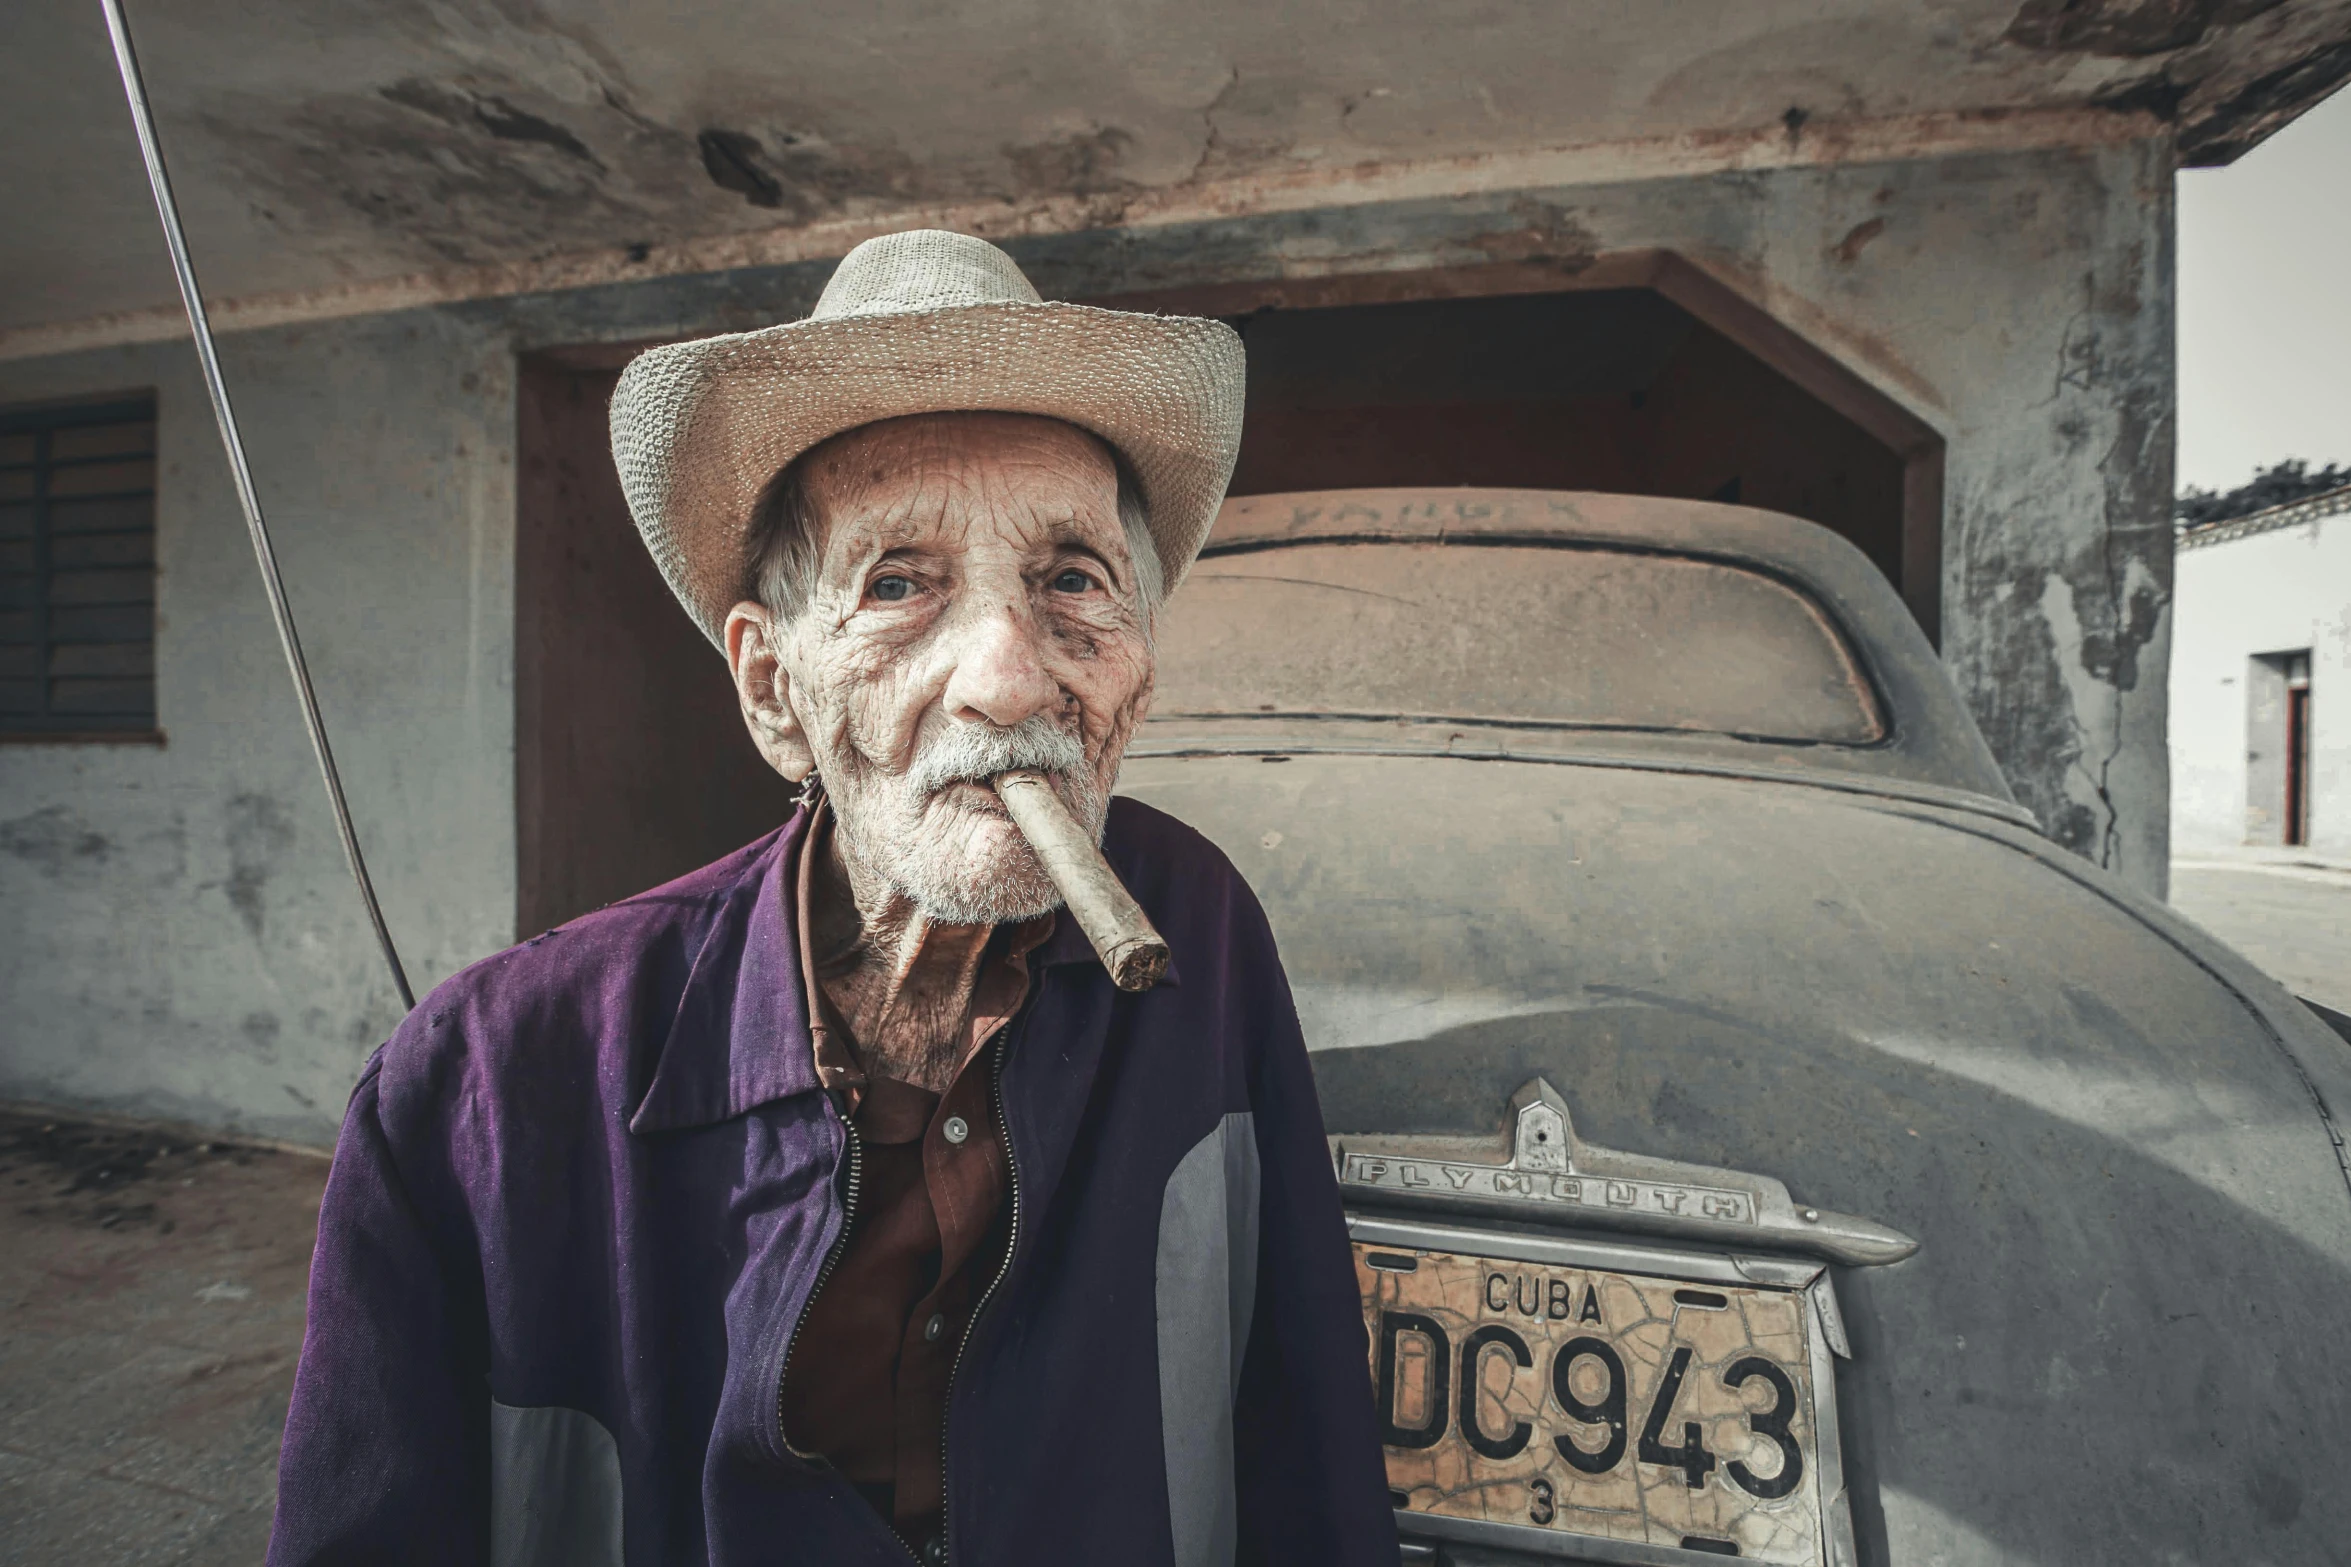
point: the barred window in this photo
(77, 569)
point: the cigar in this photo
(1113, 921)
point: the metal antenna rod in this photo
(135, 90)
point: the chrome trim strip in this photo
(1541, 1172)
(1832, 1321)
(1836, 1510)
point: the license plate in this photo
(1667, 1412)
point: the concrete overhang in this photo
(337, 156)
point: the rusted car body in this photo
(1761, 1141)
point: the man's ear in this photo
(763, 687)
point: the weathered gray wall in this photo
(176, 936)
(174, 933)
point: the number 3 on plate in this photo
(1772, 1422)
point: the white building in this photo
(2261, 681)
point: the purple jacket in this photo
(583, 1193)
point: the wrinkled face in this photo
(974, 608)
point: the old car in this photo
(1758, 1139)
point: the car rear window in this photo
(1509, 632)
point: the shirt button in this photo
(956, 1129)
(934, 1551)
(933, 1328)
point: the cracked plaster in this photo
(320, 145)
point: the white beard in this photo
(958, 862)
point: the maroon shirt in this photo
(866, 1384)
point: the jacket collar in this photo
(739, 1037)
(1067, 944)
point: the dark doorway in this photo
(631, 763)
(1617, 389)
(2277, 748)
(1640, 374)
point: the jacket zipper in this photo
(1011, 1243)
(832, 1257)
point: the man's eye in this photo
(891, 589)
(1072, 581)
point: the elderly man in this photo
(830, 1205)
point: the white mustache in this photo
(975, 753)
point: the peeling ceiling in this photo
(328, 142)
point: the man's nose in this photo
(999, 668)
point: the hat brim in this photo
(699, 428)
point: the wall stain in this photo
(2132, 565)
(259, 833)
(2261, 106)
(1541, 231)
(261, 1035)
(2157, 95)
(2124, 29)
(2021, 700)
(1848, 250)
(1081, 163)
(97, 1174)
(482, 166)
(736, 162)
(432, 179)
(55, 839)
(800, 173)
(2101, 598)
(2121, 581)
(458, 107)
(2277, 1496)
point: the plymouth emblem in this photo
(1541, 1171)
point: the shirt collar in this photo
(1067, 944)
(740, 1035)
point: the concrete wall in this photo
(2273, 592)
(175, 936)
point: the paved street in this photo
(150, 1311)
(2292, 919)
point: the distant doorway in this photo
(2298, 755)
(2277, 748)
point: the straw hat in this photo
(920, 322)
